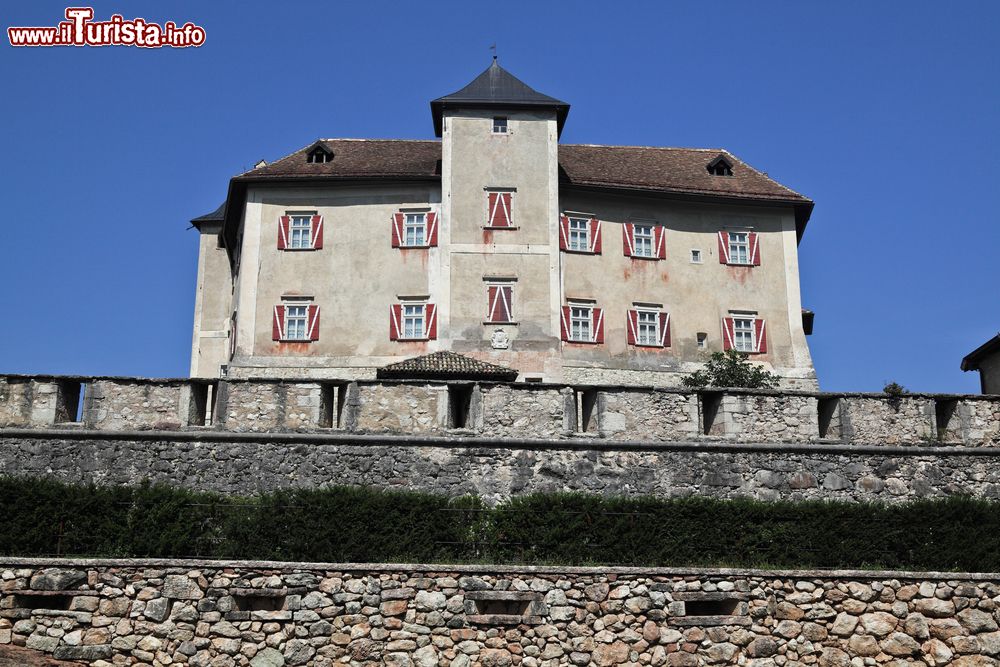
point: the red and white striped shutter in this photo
(564, 328)
(760, 336)
(595, 236)
(499, 209)
(664, 329)
(564, 232)
(317, 232)
(493, 306)
(431, 332)
(278, 323)
(598, 327)
(659, 236)
(724, 249)
(632, 326)
(395, 320)
(627, 237)
(397, 230)
(754, 249)
(432, 229)
(727, 333)
(313, 322)
(506, 312)
(283, 223)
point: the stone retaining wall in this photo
(519, 410)
(207, 614)
(496, 470)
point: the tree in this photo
(731, 369)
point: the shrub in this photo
(731, 369)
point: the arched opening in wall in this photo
(201, 409)
(333, 397)
(585, 403)
(459, 405)
(828, 410)
(710, 403)
(949, 429)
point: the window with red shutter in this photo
(498, 207)
(648, 327)
(582, 323)
(283, 223)
(313, 322)
(317, 232)
(432, 229)
(278, 323)
(627, 243)
(632, 326)
(397, 229)
(595, 236)
(295, 321)
(412, 321)
(598, 335)
(760, 337)
(499, 303)
(744, 333)
(739, 248)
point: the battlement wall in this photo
(492, 410)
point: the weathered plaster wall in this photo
(212, 614)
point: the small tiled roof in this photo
(972, 359)
(358, 158)
(446, 366)
(496, 87)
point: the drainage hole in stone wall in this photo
(502, 607)
(710, 607)
(259, 602)
(55, 602)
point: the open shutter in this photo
(754, 249)
(395, 319)
(494, 308)
(431, 332)
(598, 327)
(499, 209)
(564, 232)
(595, 236)
(317, 232)
(760, 336)
(632, 326)
(727, 333)
(432, 229)
(283, 223)
(564, 329)
(278, 323)
(660, 237)
(724, 249)
(312, 330)
(664, 329)
(397, 230)
(628, 230)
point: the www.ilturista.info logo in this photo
(80, 30)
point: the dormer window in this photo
(720, 166)
(319, 154)
(500, 125)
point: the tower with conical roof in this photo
(500, 199)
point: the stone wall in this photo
(519, 410)
(496, 470)
(228, 614)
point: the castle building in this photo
(566, 263)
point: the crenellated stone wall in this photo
(229, 614)
(497, 410)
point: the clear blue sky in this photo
(886, 114)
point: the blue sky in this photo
(886, 114)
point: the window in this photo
(739, 248)
(582, 323)
(579, 234)
(648, 325)
(415, 227)
(580, 320)
(318, 156)
(499, 302)
(499, 125)
(498, 209)
(643, 241)
(720, 166)
(702, 337)
(295, 322)
(299, 232)
(413, 321)
(743, 339)
(696, 256)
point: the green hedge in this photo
(40, 517)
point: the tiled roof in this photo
(680, 170)
(446, 365)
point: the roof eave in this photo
(971, 361)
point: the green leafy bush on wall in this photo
(42, 517)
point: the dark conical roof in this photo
(496, 87)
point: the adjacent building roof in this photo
(972, 359)
(446, 366)
(497, 88)
(218, 215)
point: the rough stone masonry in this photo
(217, 614)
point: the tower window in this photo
(500, 125)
